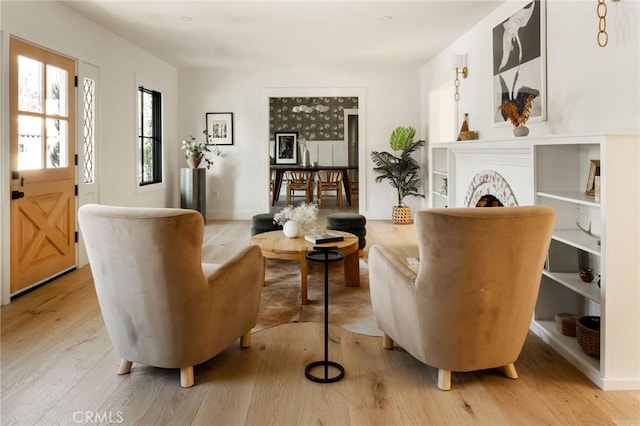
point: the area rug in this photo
(349, 307)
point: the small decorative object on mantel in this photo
(195, 151)
(402, 171)
(295, 220)
(518, 110)
(465, 134)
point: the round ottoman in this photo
(353, 223)
(263, 223)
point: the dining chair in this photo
(330, 180)
(299, 181)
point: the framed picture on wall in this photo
(286, 147)
(219, 125)
(519, 68)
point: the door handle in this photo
(16, 195)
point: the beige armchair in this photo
(469, 304)
(161, 306)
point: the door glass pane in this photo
(29, 84)
(29, 143)
(56, 143)
(57, 91)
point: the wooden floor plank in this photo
(57, 361)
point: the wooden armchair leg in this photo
(444, 379)
(245, 340)
(186, 377)
(387, 342)
(510, 371)
(124, 367)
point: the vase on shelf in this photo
(291, 229)
(521, 130)
(194, 159)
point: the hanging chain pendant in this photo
(601, 11)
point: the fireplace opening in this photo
(489, 189)
(489, 201)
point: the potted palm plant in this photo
(400, 169)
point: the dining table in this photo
(280, 169)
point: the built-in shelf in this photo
(579, 239)
(440, 194)
(559, 169)
(568, 346)
(440, 173)
(576, 197)
(572, 281)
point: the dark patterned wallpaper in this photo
(321, 126)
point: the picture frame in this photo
(286, 147)
(519, 62)
(219, 126)
(594, 170)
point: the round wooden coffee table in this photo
(275, 245)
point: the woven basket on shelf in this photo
(566, 324)
(588, 335)
(401, 215)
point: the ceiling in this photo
(331, 33)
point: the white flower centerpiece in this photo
(296, 219)
(195, 151)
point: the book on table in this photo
(323, 238)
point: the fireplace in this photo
(505, 172)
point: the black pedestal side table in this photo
(325, 255)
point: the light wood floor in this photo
(58, 367)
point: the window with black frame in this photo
(150, 136)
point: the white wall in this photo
(589, 88)
(388, 98)
(121, 64)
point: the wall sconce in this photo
(460, 65)
(310, 109)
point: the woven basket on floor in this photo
(401, 215)
(588, 335)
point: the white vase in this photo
(291, 229)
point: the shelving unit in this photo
(601, 234)
(439, 177)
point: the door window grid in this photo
(35, 82)
(89, 130)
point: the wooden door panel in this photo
(42, 148)
(43, 233)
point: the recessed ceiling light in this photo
(386, 18)
(187, 18)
